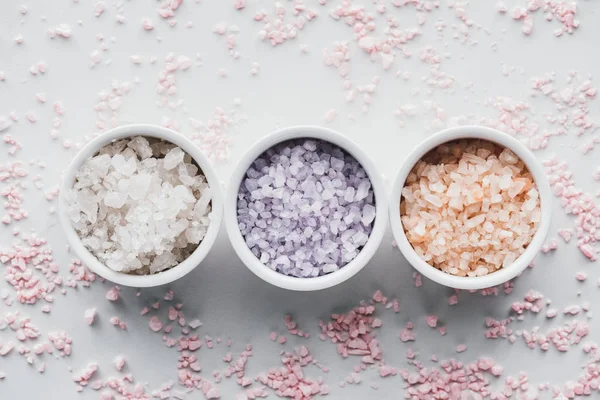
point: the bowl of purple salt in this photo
(141, 205)
(305, 209)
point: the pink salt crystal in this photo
(155, 324)
(31, 117)
(147, 24)
(239, 4)
(581, 276)
(453, 300)
(588, 251)
(213, 393)
(551, 313)
(119, 362)
(144, 311)
(572, 310)
(112, 294)
(99, 9)
(330, 115)
(406, 335)
(527, 24)
(431, 320)
(461, 348)
(273, 336)
(418, 279)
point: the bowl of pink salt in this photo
(141, 205)
(470, 207)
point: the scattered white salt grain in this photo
(195, 323)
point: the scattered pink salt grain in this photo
(407, 334)
(155, 324)
(469, 177)
(63, 30)
(418, 279)
(147, 24)
(581, 276)
(112, 294)
(453, 300)
(461, 348)
(119, 362)
(86, 374)
(501, 7)
(239, 4)
(431, 320)
(330, 115)
(99, 8)
(89, 316)
(31, 117)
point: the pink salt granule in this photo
(155, 324)
(112, 294)
(470, 207)
(431, 320)
(119, 362)
(89, 316)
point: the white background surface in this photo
(291, 88)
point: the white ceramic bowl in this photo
(320, 282)
(504, 274)
(182, 268)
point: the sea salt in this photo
(306, 208)
(470, 207)
(140, 205)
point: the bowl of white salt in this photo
(141, 205)
(470, 207)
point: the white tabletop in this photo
(291, 87)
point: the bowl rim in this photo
(539, 176)
(321, 282)
(181, 269)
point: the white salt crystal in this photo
(114, 199)
(173, 158)
(123, 166)
(138, 186)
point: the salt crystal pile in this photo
(140, 205)
(306, 208)
(470, 207)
